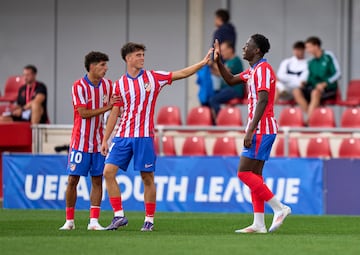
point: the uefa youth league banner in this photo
(194, 184)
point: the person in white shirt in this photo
(292, 72)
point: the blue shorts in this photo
(81, 163)
(260, 148)
(123, 149)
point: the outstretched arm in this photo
(225, 73)
(190, 70)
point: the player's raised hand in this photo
(216, 50)
(207, 59)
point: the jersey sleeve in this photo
(40, 89)
(263, 78)
(117, 92)
(245, 75)
(78, 95)
(162, 77)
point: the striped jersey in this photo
(138, 98)
(260, 77)
(87, 134)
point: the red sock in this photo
(116, 203)
(150, 209)
(256, 185)
(258, 203)
(94, 212)
(70, 213)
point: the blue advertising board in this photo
(194, 184)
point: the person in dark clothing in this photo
(225, 31)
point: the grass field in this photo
(36, 232)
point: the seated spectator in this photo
(292, 72)
(226, 92)
(321, 84)
(31, 101)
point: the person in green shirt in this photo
(323, 75)
(226, 92)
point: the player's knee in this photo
(148, 178)
(73, 180)
(109, 173)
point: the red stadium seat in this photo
(169, 115)
(293, 148)
(318, 147)
(168, 145)
(194, 146)
(199, 116)
(229, 116)
(322, 117)
(12, 86)
(225, 146)
(349, 148)
(353, 94)
(291, 117)
(350, 118)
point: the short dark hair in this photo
(314, 40)
(94, 57)
(223, 15)
(229, 43)
(261, 42)
(32, 68)
(299, 45)
(131, 47)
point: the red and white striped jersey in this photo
(139, 97)
(87, 134)
(259, 77)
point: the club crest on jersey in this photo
(72, 167)
(147, 86)
(105, 99)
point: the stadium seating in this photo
(225, 146)
(353, 94)
(322, 117)
(291, 117)
(169, 115)
(229, 116)
(200, 115)
(318, 147)
(350, 118)
(293, 148)
(194, 146)
(349, 148)
(168, 145)
(12, 86)
(333, 101)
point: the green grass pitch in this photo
(36, 232)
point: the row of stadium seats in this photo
(316, 147)
(231, 116)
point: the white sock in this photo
(275, 204)
(259, 219)
(94, 221)
(149, 219)
(119, 213)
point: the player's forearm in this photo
(111, 122)
(87, 113)
(188, 71)
(229, 78)
(259, 111)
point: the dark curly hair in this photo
(94, 57)
(261, 42)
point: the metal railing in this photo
(161, 130)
